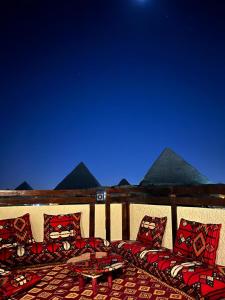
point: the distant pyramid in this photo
(123, 182)
(171, 169)
(24, 186)
(79, 178)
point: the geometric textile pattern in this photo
(22, 229)
(128, 249)
(132, 250)
(15, 231)
(59, 283)
(184, 238)
(6, 233)
(62, 227)
(151, 231)
(206, 242)
(17, 282)
(193, 277)
(4, 270)
(43, 253)
(197, 240)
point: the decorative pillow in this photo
(22, 229)
(184, 238)
(15, 231)
(62, 227)
(205, 243)
(151, 231)
(7, 238)
(16, 282)
(197, 240)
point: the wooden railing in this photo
(191, 196)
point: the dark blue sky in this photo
(111, 83)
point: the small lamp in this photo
(101, 196)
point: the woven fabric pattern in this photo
(151, 230)
(58, 283)
(195, 278)
(62, 227)
(197, 240)
(43, 253)
(15, 231)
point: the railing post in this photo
(126, 220)
(173, 215)
(107, 217)
(92, 220)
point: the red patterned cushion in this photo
(184, 238)
(4, 270)
(39, 253)
(16, 282)
(6, 233)
(151, 231)
(206, 242)
(197, 240)
(15, 231)
(62, 227)
(22, 229)
(92, 245)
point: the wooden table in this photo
(95, 265)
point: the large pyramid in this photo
(79, 178)
(24, 186)
(171, 169)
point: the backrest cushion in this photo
(184, 238)
(197, 240)
(151, 231)
(62, 227)
(205, 243)
(15, 231)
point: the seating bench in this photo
(12, 260)
(197, 276)
(192, 277)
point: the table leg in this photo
(94, 285)
(81, 282)
(110, 280)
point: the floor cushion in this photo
(16, 282)
(43, 253)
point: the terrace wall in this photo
(120, 215)
(137, 211)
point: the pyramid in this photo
(123, 182)
(171, 169)
(79, 178)
(24, 186)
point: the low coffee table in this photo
(95, 265)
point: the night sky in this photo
(110, 83)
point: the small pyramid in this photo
(24, 186)
(79, 178)
(171, 169)
(123, 182)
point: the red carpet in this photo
(134, 284)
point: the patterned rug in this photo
(58, 283)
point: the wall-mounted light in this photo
(101, 196)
